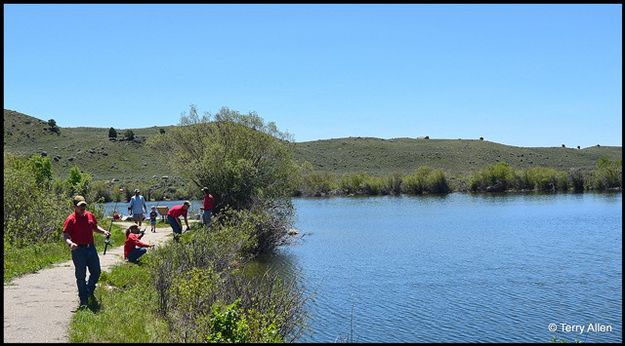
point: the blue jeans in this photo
(174, 224)
(134, 255)
(206, 217)
(86, 257)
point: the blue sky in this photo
(523, 75)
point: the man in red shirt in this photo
(172, 218)
(133, 246)
(78, 234)
(209, 204)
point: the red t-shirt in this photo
(209, 201)
(131, 242)
(177, 211)
(80, 227)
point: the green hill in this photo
(88, 148)
(456, 157)
(132, 161)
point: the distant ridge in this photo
(92, 151)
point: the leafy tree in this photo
(79, 183)
(161, 131)
(53, 126)
(240, 158)
(112, 133)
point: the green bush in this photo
(547, 179)
(238, 157)
(205, 296)
(426, 180)
(318, 184)
(606, 175)
(392, 184)
(33, 213)
(498, 177)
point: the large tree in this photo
(240, 158)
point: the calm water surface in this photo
(459, 268)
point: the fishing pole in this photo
(107, 239)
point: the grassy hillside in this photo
(130, 161)
(381, 157)
(88, 148)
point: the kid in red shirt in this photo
(133, 246)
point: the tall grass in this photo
(426, 180)
(200, 279)
(499, 177)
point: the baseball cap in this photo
(137, 190)
(205, 188)
(79, 200)
(187, 203)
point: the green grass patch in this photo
(124, 311)
(32, 258)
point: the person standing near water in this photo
(78, 231)
(173, 218)
(209, 204)
(137, 207)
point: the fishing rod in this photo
(107, 239)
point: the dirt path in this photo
(38, 307)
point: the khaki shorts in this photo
(138, 217)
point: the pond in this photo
(459, 268)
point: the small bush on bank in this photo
(425, 180)
(606, 175)
(547, 179)
(318, 184)
(498, 177)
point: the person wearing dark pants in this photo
(133, 246)
(86, 257)
(172, 218)
(78, 231)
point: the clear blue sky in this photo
(525, 75)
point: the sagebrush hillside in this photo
(456, 157)
(130, 161)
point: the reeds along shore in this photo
(500, 177)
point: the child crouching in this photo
(133, 246)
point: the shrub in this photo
(500, 175)
(33, 213)
(318, 184)
(393, 184)
(238, 157)
(129, 135)
(112, 133)
(53, 127)
(547, 179)
(576, 178)
(606, 175)
(205, 294)
(425, 180)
